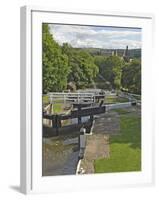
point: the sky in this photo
(96, 37)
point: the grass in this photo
(45, 99)
(125, 148)
(122, 111)
(57, 108)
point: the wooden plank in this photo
(79, 113)
(47, 116)
(88, 111)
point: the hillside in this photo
(133, 53)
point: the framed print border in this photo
(31, 69)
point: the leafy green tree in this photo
(113, 71)
(110, 68)
(100, 61)
(131, 76)
(55, 63)
(83, 68)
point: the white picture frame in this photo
(31, 104)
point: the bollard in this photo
(82, 142)
(82, 131)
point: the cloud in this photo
(97, 37)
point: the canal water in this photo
(60, 155)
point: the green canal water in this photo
(60, 155)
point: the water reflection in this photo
(60, 155)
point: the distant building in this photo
(116, 52)
(126, 55)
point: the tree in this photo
(110, 68)
(113, 71)
(83, 70)
(55, 63)
(100, 61)
(131, 76)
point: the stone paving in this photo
(98, 143)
